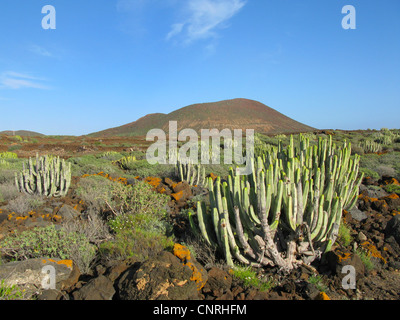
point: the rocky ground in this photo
(374, 228)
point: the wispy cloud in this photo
(40, 51)
(14, 80)
(204, 18)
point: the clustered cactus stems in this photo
(193, 174)
(47, 176)
(261, 147)
(385, 136)
(370, 146)
(288, 211)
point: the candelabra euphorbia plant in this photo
(194, 174)
(287, 211)
(47, 176)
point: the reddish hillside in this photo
(232, 114)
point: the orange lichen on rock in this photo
(342, 256)
(183, 253)
(372, 250)
(366, 198)
(153, 181)
(322, 296)
(107, 176)
(67, 263)
(57, 218)
(393, 196)
(161, 190)
(392, 181)
(177, 196)
(10, 216)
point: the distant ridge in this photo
(22, 133)
(232, 114)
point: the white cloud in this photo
(15, 80)
(40, 51)
(204, 17)
(175, 29)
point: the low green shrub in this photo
(94, 191)
(90, 164)
(318, 282)
(8, 292)
(390, 160)
(14, 147)
(140, 227)
(8, 155)
(249, 278)
(135, 243)
(344, 236)
(392, 188)
(369, 173)
(109, 156)
(143, 168)
(51, 242)
(22, 203)
(365, 258)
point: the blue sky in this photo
(111, 62)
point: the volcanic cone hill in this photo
(231, 114)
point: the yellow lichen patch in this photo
(183, 253)
(107, 176)
(393, 181)
(322, 296)
(177, 196)
(67, 263)
(10, 216)
(343, 256)
(153, 181)
(161, 190)
(46, 216)
(372, 250)
(393, 196)
(57, 218)
(366, 198)
(174, 185)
